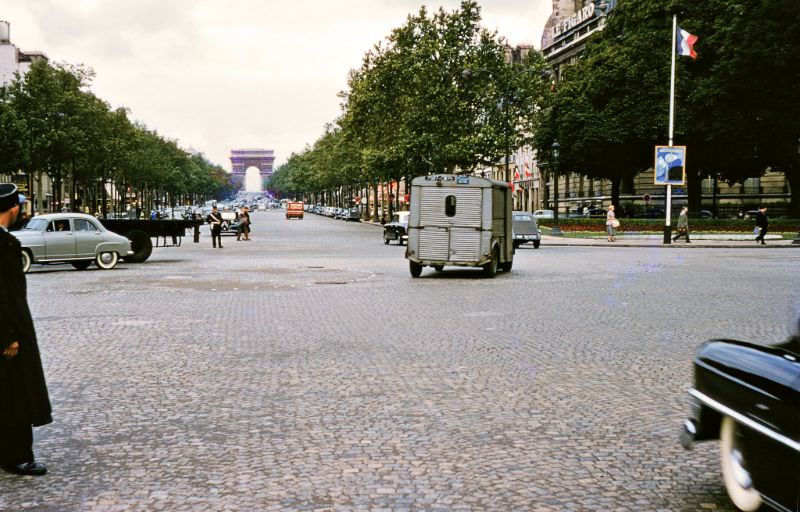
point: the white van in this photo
(460, 220)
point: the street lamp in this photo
(555, 230)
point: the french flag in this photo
(686, 44)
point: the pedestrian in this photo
(762, 223)
(244, 224)
(24, 401)
(215, 219)
(683, 225)
(611, 224)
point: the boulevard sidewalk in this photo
(698, 241)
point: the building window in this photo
(450, 206)
(707, 185)
(752, 186)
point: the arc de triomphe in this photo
(243, 159)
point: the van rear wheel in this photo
(415, 268)
(490, 269)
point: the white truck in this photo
(462, 221)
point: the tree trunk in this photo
(616, 181)
(693, 183)
(793, 177)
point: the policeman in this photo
(215, 219)
(24, 401)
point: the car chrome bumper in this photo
(701, 398)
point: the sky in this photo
(222, 74)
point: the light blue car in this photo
(70, 237)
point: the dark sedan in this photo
(397, 229)
(748, 397)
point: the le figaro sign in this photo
(576, 19)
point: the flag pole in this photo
(667, 226)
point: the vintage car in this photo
(71, 237)
(352, 214)
(525, 229)
(294, 210)
(230, 222)
(396, 230)
(748, 397)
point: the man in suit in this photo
(762, 222)
(215, 219)
(24, 401)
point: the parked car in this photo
(525, 229)
(396, 230)
(653, 213)
(352, 214)
(544, 214)
(748, 396)
(71, 237)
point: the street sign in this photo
(670, 165)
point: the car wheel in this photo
(141, 245)
(536, 244)
(517, 244)
(438, 268)
(506, 267)
(81, 264)
(737, 479)
(415, 268)
(490, 269)
(386, 241)
(107, 260)
(26, 261)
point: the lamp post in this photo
(555, 230)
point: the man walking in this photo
(215, 219)
(683, 225)
(24, 402)
(762, 223)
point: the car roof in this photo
(66, 215)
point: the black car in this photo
(397, 229)
(748, 397)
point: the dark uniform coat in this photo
(23, 391)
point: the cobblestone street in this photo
(306, 370)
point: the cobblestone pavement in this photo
(306, 370)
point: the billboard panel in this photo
(670, 165)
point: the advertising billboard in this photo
(670, 165)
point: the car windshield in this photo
(36, 224)
(523, 217)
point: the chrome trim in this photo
(744, 420)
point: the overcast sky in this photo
(224, 74)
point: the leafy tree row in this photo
(438, 96)
(435, 96)
(51, 124)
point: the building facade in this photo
(15, 62)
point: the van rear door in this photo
(451, 217)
